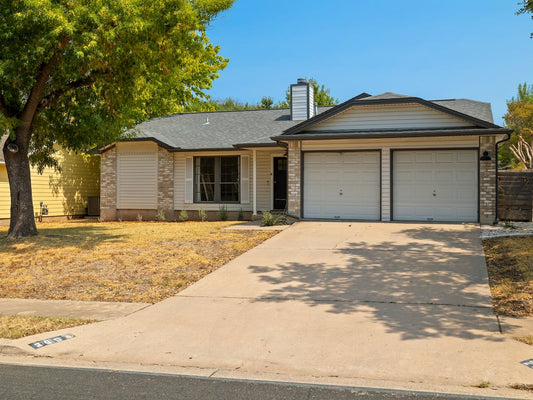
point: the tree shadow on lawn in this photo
(81, 236)
(431, 287)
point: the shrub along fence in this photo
(515, 192)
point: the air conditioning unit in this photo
(93, 206)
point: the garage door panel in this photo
(422, 158)
(445, 157)
(342, 185)
(438, 185)
(422, 176)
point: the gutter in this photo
(496, 178)
(390, 134)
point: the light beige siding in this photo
(385, 184)
(406, 143)
(65, 192)
(404, 116)
(137, 176)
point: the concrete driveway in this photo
(366, 302)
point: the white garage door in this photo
(342, 185)
(440, 185)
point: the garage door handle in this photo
(434, 193)
(340, 193)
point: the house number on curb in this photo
(46, 342)
(528, 363)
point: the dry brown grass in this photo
(117, 261)
(525, 339)
(510, 267)
(527, 388)
(15, 327)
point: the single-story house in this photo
(65, 193)
(388, 157)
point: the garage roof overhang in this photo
(355, 134)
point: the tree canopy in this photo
(79, 73)
(321, 94)
(519, 118)
(526, 7)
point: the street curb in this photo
(13, 351)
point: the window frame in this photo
(217, 183)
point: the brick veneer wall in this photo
(294, 161)
(165, 182)
(487, 181)
(108, 185)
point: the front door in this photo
(280, 183)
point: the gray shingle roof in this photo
(225, 129)
(386, 95)
(219, 129)
(476, 109)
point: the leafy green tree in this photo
(321, 94)
(519, 118)
(266, 102)
(79, 73)
(527, 7)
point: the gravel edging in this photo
(506, 229)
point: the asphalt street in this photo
(52, 383)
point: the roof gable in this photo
(390, 112)
(389, 116)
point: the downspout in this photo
(496, 154)
(254, 182)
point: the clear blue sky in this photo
(431, 49)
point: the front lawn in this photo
(117, 261)
(510, 267)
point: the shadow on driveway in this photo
(420, 281)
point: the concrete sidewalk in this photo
(405, 304)
(100, 311)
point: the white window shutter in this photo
(189, 180)
(245, 179)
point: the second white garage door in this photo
(436, 185)
(342, 185)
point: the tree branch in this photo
(55, 95)
(36, 94)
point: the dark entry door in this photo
(280, 183)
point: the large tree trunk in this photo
(22, 223)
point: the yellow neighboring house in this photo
(64, 193)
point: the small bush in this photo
(183, 216)
(223, 213)
(269, 219)
(160, 216)
(240, 215)
(202, 214)
(139, 217)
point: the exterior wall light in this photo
(485, 156)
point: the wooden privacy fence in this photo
(515, 190)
